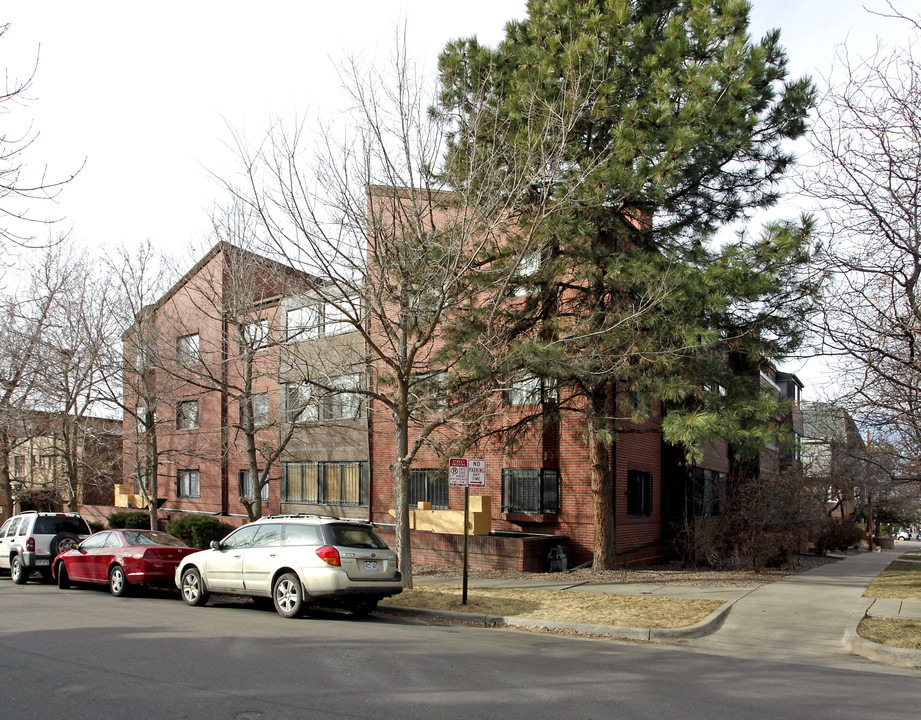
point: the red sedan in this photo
(122, 558)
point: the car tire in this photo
(63, 578)
(62, 542)
(118, 583)
(19, 574)
(362, 608)
(192, 587)
(288, 595)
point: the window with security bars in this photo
(639, 493)
(428, 485)
(325, 483)
(531, 490)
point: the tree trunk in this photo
(602, 485)
(401, 502)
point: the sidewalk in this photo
(811, 617)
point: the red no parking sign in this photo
(467, 472)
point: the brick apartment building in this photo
(338, 448)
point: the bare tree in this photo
(867, 142)
(74, 375)
(397, 251)
(26, 317)
(133, 384)
(19, 190)
(243, 295)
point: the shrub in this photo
(136, 520)
(198, 530)
(838, 534)
(96, 525)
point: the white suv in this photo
(31, 540)
(297, 560)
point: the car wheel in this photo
(63, 579)
(192, 588)
(288, 595)
(118, 583)
(19, 573)
(62, 542)
(362, 608)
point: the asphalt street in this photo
(82, 653)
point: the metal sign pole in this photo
(466, 534)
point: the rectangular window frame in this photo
(188, 483)
(639, 493)
(531, 491)
(188, 349)
(187, 417)
(245, 486)
(334, 482)
(429, 485)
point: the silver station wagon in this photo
(297, 561)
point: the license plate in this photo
(372, 565)
(42, 562)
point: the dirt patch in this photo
(657, 575)
(569, 606)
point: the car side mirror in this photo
(215, 545)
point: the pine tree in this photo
(666, 122)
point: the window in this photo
(302, 323)
(428, 485)
(345, 405)
(255, 334)
(188, 484)
(325, 483)
(242, 538)
(269, 535)
(529, 389)
(318, 319)
(530, 490)
(335, 321)
(187, 415)
(19, 463)
(298, 407)
(301, 405)
(296, 534)
(639, 493)
(528, 266)
(140, 414)
(260, 406)
(246, 486)
(709, 492)
(187, 349)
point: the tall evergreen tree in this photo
(670, 122)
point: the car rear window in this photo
(151, 537)
(54, 524)
(357, 536)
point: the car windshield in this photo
(357, 536)
(151, 537)
(54, 524)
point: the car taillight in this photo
(30, 544)
(329, 555)
(153, 555)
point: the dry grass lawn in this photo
(895, 633)
(900, 580)
(561, 606)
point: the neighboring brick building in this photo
(39, 464)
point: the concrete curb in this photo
(899, 657)
(706, 626)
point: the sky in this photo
(144, 98)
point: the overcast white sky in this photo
(146, 92)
